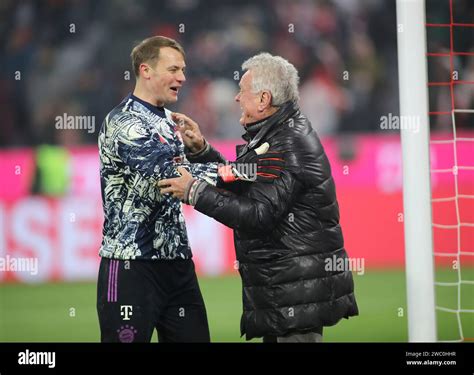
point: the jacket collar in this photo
(256, 131)
(253, 128)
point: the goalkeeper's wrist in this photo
(236, 171)
(226, 173)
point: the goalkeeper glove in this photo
(261, 165)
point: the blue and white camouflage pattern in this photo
(137, 148)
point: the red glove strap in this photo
(225, 173)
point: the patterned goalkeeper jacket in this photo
(138, 146)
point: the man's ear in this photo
(145, 71)
(265, 100)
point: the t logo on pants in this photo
(126, 311)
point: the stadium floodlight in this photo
(413, 86)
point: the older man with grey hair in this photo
(288, 239)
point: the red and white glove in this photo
(260, 165)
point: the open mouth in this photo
(175, 89)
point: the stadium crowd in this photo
(71, 57)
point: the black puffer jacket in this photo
(284, 231)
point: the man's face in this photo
(249, 102)
(167, 76)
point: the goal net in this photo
(451, 77)
(438, 191)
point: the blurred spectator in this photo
(72, 56)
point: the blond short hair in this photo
(148, 51)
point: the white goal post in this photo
(413, 86)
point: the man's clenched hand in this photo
(179, 186)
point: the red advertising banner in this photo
(63, 234)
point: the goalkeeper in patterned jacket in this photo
(146, 277)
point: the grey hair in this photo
(275, 74)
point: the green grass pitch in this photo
(65, 312)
